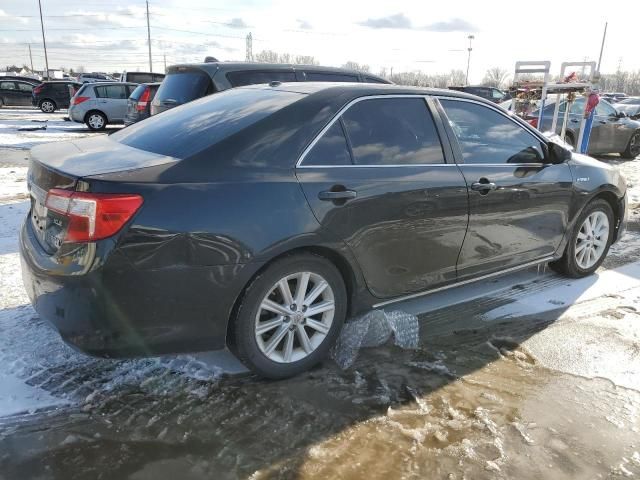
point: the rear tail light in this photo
(533, 122)
(77, 100)
(38, 89)
(92, 216)
(141, 105)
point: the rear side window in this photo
(185, 86)
(24, 87)
(187, 130)
(392, 131)
(117, 92)
(486, 136)
(239, 79)
(7, 86)
(330, 149)
(330, 77)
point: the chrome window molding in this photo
(344, 109)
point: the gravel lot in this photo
(527, 376)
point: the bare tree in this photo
(80, 69)
(269, 56)
(495, 77)
(358, 67)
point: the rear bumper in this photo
(104, 306)
(76, 115)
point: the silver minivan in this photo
(98, 104)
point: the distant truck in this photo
(490, 93)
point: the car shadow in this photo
(130, 415)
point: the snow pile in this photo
(14, 183)
(373, 329)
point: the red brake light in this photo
(77, 100)
(92, 216)
(533, 122)
(38, 89)
(144, 99)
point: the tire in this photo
(570, 264)
(288, 345)
(47, 105)
(633, 147)
(95, 120)
(570, 140)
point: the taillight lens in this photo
(77, 100)
(143, 100)
(38, 89)
(533, 122)
(92, 216)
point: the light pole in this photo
(44, 43)
(470, 37)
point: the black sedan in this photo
(262, 217)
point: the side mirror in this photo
(558, 154)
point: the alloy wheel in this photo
(294, 317)
(47, 106)
(592, 239)
(96, 121)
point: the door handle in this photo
(483, 186)
(337, 195)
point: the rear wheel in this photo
(633, 147)
(95, 121)
(589, 241)
(47, 106)
(290, 316)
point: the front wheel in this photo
(589, 242)
(290, 315)
(633, 147)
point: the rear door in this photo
(378, 179)
(518, 203)
(112, 100)
(10, 93)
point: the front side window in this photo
(486, 136)
(603, 109)
(330, 149)
(242, 78)
(392, 131)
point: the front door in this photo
(112, 100)
(377, 180)
(518, 203)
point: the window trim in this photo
(338, 117)
(456, 143)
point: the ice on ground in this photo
(17, 397)
(373, 329)
(572, 293)
(14, 183)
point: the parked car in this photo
(54, 95)
(258, 219)
(490, 93)
(98, 104)
(612, 131)
(139, 103)
(185, 83)
(15, 93)
(614, 97)
(21, 78)
(630, 106)
(141, 77)
(94, 77)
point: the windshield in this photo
(188, 129)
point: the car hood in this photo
(95, 156)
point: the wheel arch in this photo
(95, 110)
(612, 199)
(55, 104)
(345, 267)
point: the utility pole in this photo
(44, 43)
(31, 58)
(165, 62)
(604, 36)
(249, 55)
(470, 37)
(148, 38)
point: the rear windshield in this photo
(185, 86)
(137, 93)
(189, 129)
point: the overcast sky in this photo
(110, 35)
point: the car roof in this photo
(212, 67)
(62, 81)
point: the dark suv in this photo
(51, 96)
(185, 83)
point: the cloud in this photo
(237, 23)
(304, 25)
(399, 20)
(453, 25)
